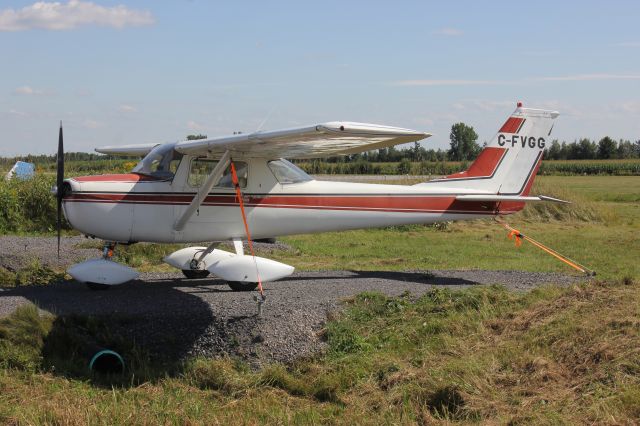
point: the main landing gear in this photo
(194, 274)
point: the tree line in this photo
(463, 146)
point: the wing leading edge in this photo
(321, 140)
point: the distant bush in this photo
(591, 167)
(28, 205)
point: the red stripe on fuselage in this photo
(319, 202)
(125, 177)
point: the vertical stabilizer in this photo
(509, 163)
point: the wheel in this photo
(266, 240)
(242, 286)
(195, 273)
(97, 286)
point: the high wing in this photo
(321, 140)
(133, 150)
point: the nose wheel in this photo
(107, 253)
(97, 286)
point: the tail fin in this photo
(509, 163)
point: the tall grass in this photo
(580, 208)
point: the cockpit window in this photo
(287, 172)
(162, 162)
(202, 167)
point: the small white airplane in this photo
(240, 187)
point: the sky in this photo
(122, 72)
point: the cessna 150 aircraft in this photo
(237, 187)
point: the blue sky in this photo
(121, 72)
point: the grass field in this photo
(551, 356)
(599, 230)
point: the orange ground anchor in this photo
(236, 184)
(519, 237)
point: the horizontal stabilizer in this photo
(498, 198)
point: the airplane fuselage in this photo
(138, 208)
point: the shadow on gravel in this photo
(152, 325)
(407, 277)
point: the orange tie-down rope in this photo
(236, 184)
(519, 237)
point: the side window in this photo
(201, 167)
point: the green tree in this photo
(607, 148)
(196, 137)
(464, 145)
(554, 151)
(586, 150)
(625, 149)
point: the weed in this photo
(278, 377)
(33, 274)
(218, 374)
(22, 336)
(446, 402)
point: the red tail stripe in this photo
(512, 125)
(485, 164)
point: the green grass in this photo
(600, 230)
(484, 354)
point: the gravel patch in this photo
(17, 252)
(175, 318)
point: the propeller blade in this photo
(59, 183)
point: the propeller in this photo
(59, 184)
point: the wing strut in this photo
(234, 178)
(212, 179)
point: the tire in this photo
(97, 286)
(242, 286)
(192, 274)
(266, 240)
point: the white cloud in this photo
(463, 82)
(13, 113)
(92, 124)
(449, 32)
(127, 108)
(70, 15)
(484, 104)
(628, 44)
(28, 91)
(445, 82)
(591, 77)
(192, 125)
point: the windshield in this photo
(162, 162)
(287, 172)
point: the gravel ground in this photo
(17, 252)
(175, 318)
